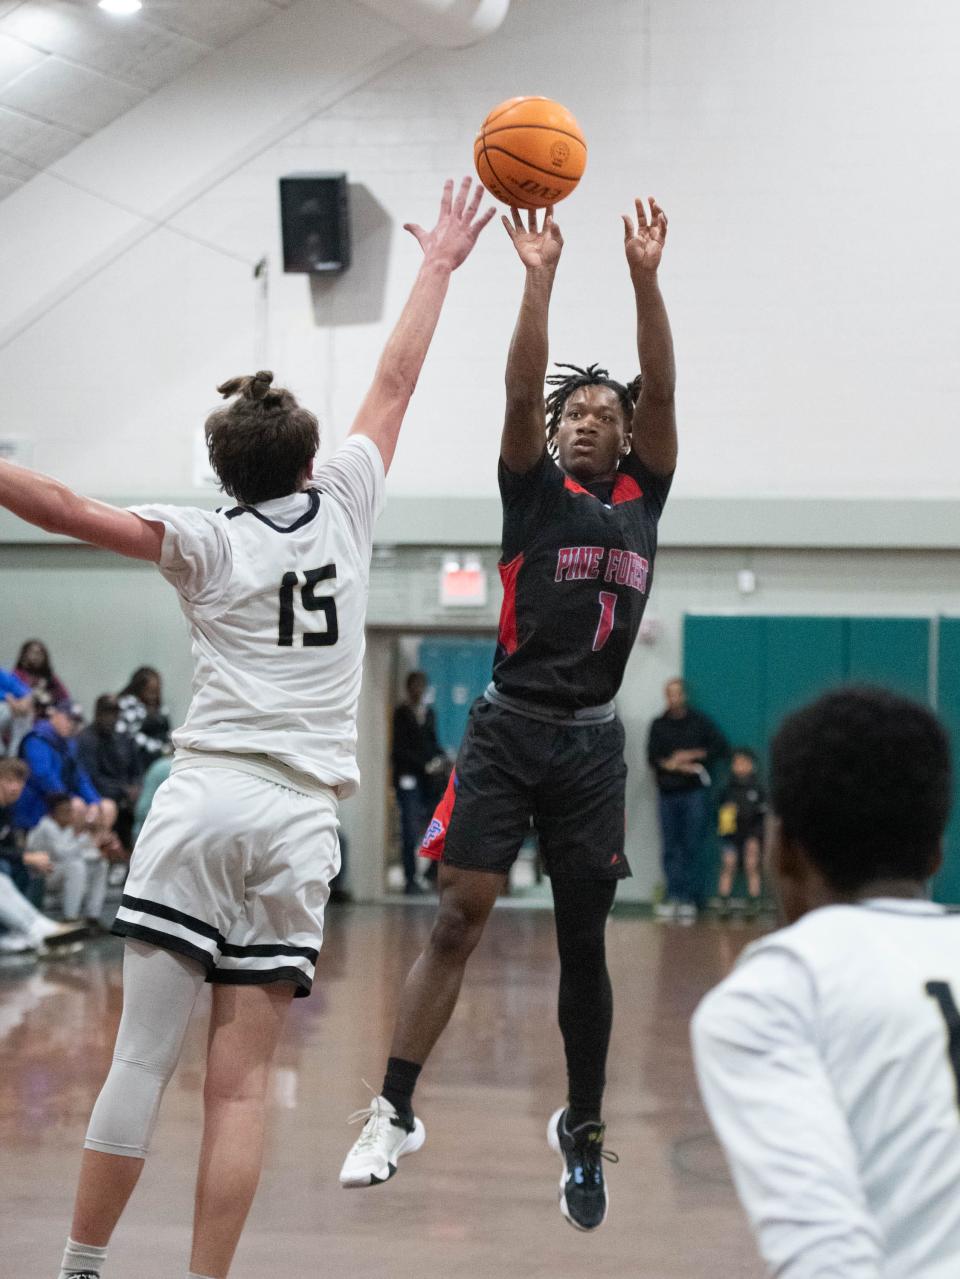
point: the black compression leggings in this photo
(585, 1006)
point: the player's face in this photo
(591, 437)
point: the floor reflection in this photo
(480, 1198)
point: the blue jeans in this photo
(683, 824)
(414, 814)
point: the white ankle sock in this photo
(82, 1259)
(191, 1275)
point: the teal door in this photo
(459, 670)
(946, 886)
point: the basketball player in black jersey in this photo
(583, 478)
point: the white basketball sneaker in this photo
(382, 1143)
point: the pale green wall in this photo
(102, 617)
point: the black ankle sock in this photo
(576, 1116)
(398, 1085)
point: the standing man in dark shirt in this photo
(682, 746)
(417, 759)
(112, 762)
(583, 479)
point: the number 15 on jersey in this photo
(299, 595)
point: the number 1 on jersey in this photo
(312, 603)
(941, 992)
(608, 607)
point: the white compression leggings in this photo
(159, 992)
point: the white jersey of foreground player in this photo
(825, 1064)
(276, 598)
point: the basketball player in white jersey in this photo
(829, 1059)
(231, 872)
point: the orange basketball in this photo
(530, 152)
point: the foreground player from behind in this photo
(231, 871)
(582, 494)
(829, 1060)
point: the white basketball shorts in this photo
(233, 871)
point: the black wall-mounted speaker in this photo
(315, 218)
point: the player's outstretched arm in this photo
(524, 424)
(52, 506)
(445, 247)
(654, 419)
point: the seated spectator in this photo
(153, 779)
(22, 927)
(35, 669)
(25, 870)
(50, 752)
(112, 762)
(16, 712)
(76, 865)
(142, 715)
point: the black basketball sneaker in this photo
(583, 1190)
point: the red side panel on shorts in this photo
(626, 489)
(436, 836)
(508, 613)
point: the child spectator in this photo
(35, 669)
(22, 927)
(143, 716)
(25, 870)
(743, 808)
(112, 762)
(16, 712)
(76, 864)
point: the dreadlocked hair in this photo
(565, 384)
(262, 443)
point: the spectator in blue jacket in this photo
(51, 755)
(16, 712)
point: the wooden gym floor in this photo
(480, 1198)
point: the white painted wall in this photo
(806, 154)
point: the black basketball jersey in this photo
(577, 567)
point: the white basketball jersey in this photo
(829, 1062)
(276, 598)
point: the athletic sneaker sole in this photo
(410, 1145)
(553, 1141)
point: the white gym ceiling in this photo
(67, 68)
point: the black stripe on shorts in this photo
(151, 935)
(175, 917)
(261, 977)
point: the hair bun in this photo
(259, 385)
(251, 388)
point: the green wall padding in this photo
(746, 673)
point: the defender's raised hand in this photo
(537, 248)
(644, 245)
(452, 239)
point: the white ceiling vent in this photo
(451, 23)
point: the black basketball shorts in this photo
(570, 780)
